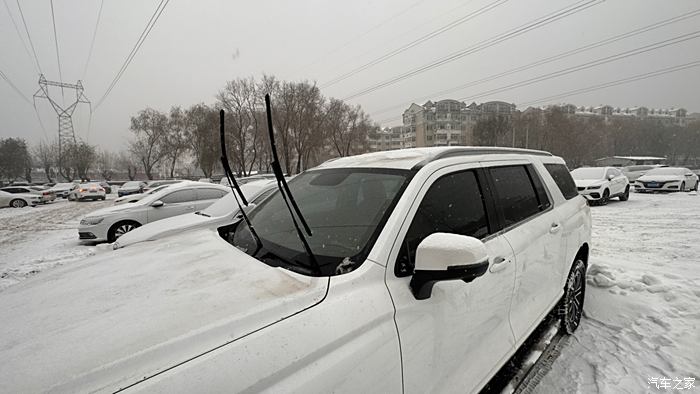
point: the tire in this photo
(696, 186)
(626, 195)
(17, 203)
(102, 198)
(571, 305)
(120, 228)
(682, 186)
(606, 197)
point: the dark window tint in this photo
(453, 204)
(562, 177)
(209, 194)
(515, 193)
(179, 196)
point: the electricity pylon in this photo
(66, 133)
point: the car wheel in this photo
(102, 198)
(696, 186)
(682, 186)
(571, 305)
(120, 228)
(606, 197)
(17, 203)
(626, 195)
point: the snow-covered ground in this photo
(642, 308)
(35, 239)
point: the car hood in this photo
(660, 178)
(588, 182)
(123, 200)
(118, 318)
(170, 226)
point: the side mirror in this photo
(157, 204)
(443, 256)
(611, 177)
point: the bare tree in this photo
(149, 127)
(126, 161)
(201, 133)
(106, 163)
(46, 156)
(174, 142)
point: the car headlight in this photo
(593, 187)
(91, 221)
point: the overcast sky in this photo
(196, 46)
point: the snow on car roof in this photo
(409, 158)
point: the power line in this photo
(417, 41)
(583, 66)
(12, 18)
(132, 54)
(553, 58)
(58, 57)
(590, 64)
(26, 29)
(366, 32)
(522, 29)
(638, 77)
(92, 42)
(14, 87)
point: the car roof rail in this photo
(477, 151)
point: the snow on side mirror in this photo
(443, 256)
(610, 177)
(157, 204)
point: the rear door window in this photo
(453, 204)
(562, 177)
(179, 197)
(515, 193)
(210, 194)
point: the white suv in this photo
(428, 268)
(599, 184)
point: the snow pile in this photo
(642, 308)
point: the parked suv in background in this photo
(600, 184)
(429, 268)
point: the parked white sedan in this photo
(221, 213)
(87, 191)
(18, 200)
(108, 224)
(600, 184)
(667, 179)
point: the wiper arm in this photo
(200, 213)
(235, 189)
(285, 192)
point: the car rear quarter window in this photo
(453, 204)
(515, 193)
(562, 177)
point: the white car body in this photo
(129, 198)
(594, 183)
(87, 191)
(19, 200)
(62, 189)
(193, 313)
(221, 213)
(44, 194)
(107, 224)
(667, 179)
(634, 172)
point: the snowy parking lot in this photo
(641, 315)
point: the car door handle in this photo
(499, 264)
(554, 228)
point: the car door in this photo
(533, 230)
(207, 196)
(619, 180)
(175, 203)
(455, 340)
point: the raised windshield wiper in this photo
(285, 192)
(235, 189)
(200, 213)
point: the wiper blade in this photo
(235, 189)
(200, 213)
(285, 192)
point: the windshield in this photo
(344, 209)
(588, 173)
(666, 171)
(63, 185)
(157, 189)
